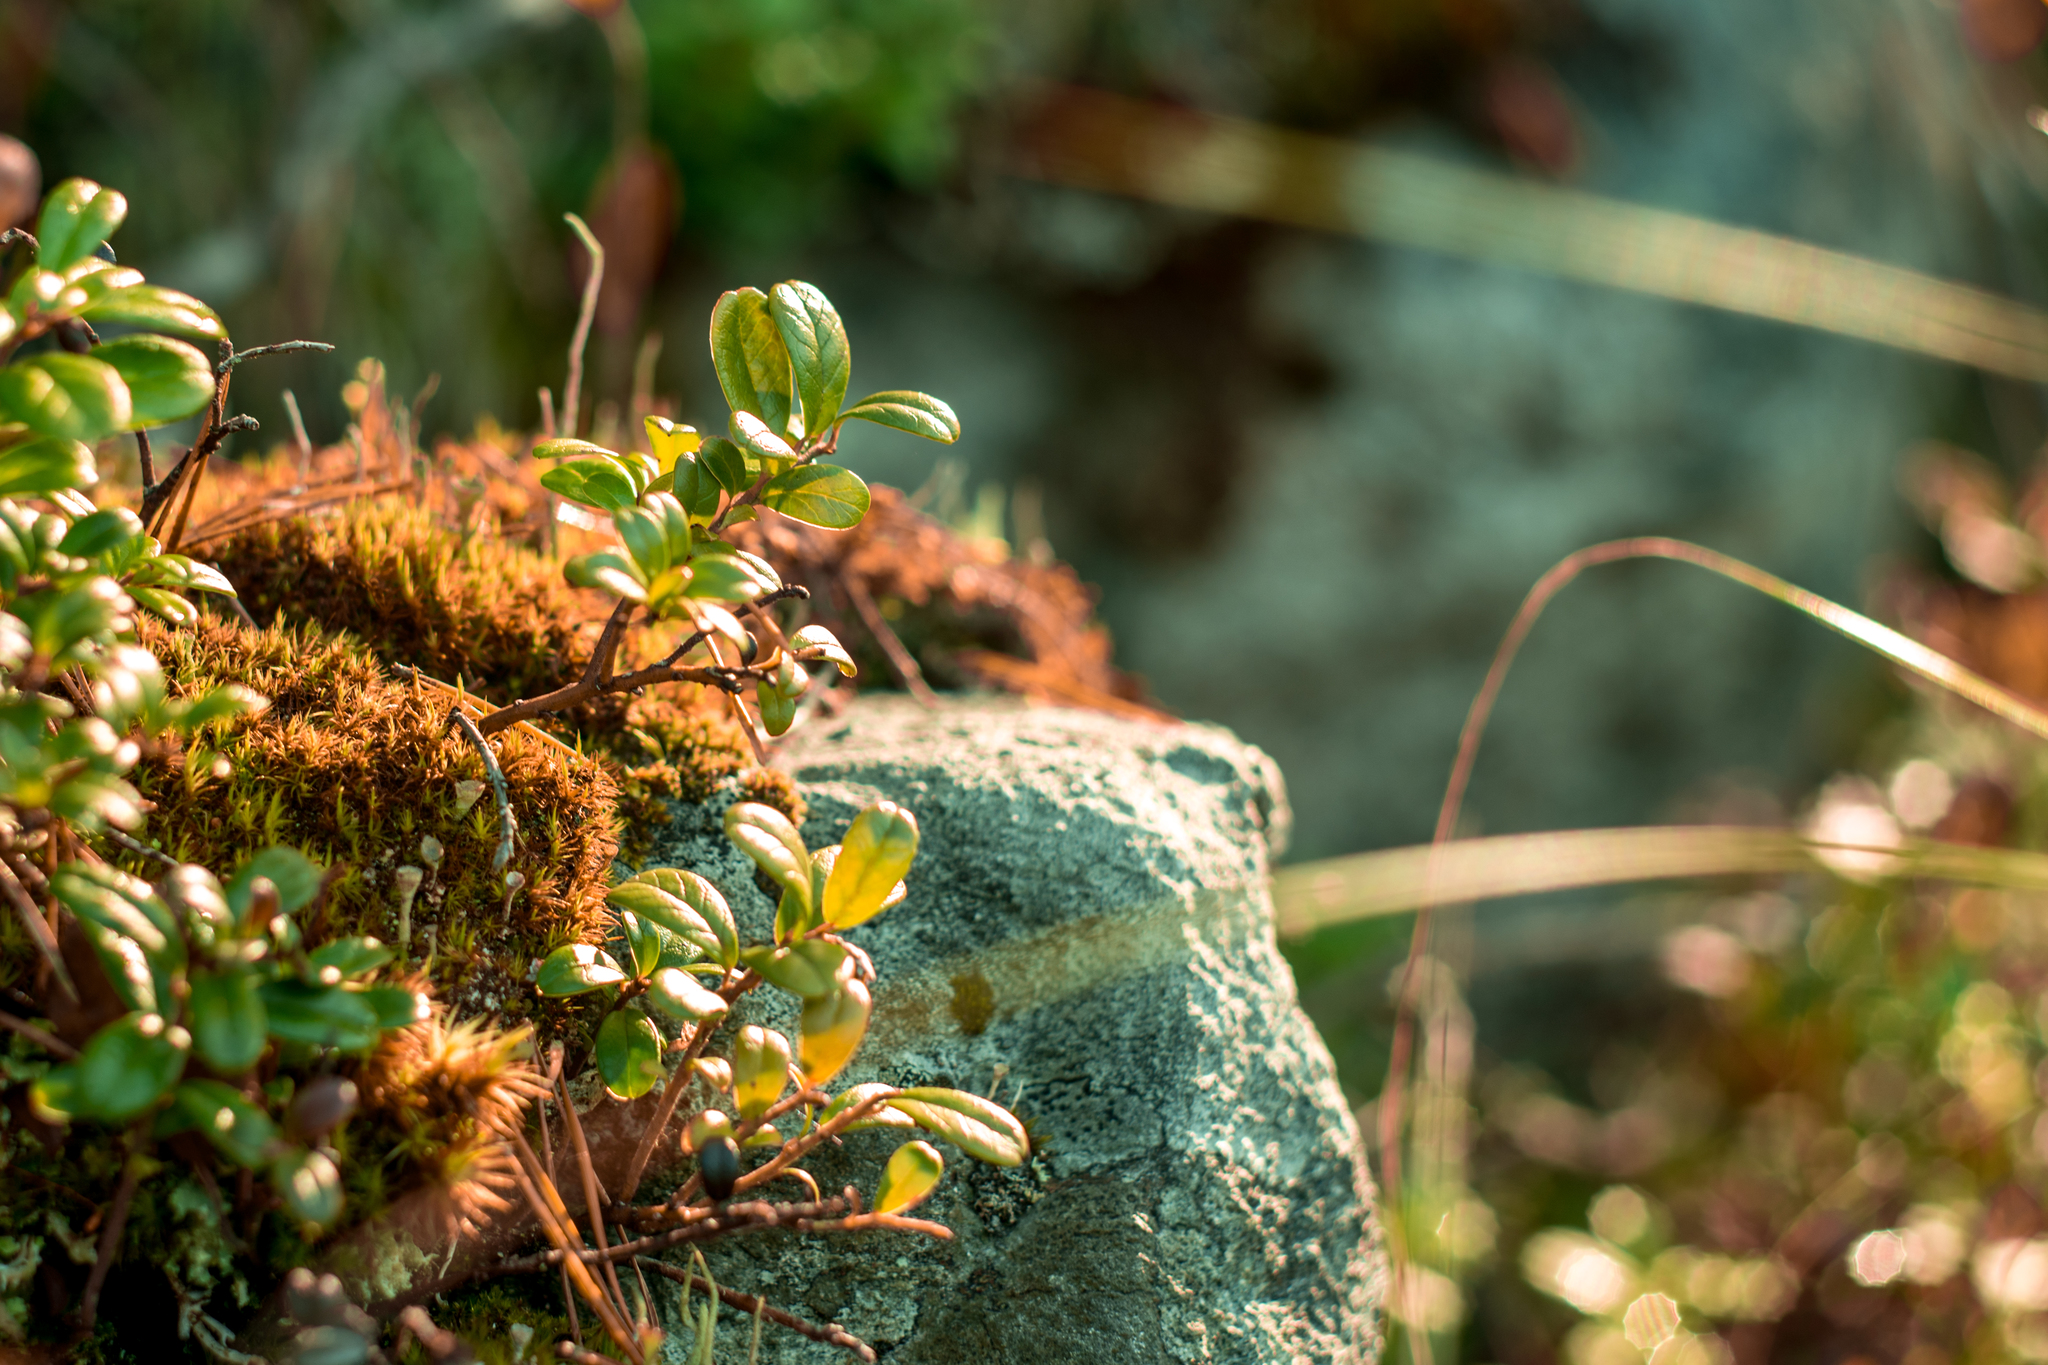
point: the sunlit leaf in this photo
(760, 1069)
(920, 414)
(749, 355)
(604, 483)
(811, 969)
(700, 898)
(230, 1025)
(296, 877)
(819, 356)
(819, 495)
(818, 642)
(77, 216)
(912, 1174)
(765, 834)
(575, 968)
(153, 307)
(70, 397)
(628, 1053)
(873, 859)
(37, 468)
(981, 1128)
(309, 1185)
(129, 1065)
(831, 1029)
(167, 380)
(609, 572)
(676, 993)
(725, 463)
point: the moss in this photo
(356, 768)
(484, 1317)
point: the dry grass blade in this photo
(1395, 881)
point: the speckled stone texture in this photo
(1089, 932)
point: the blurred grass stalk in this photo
(1090, 140)
(1397, 881)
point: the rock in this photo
(1089, 934)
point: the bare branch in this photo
(572, 389)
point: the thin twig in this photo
(592, 1203)
(508, 828)
(135, 845)
(38, 928)
(273, 348)
(110, 1239)
(572, 389)
(47, 1041)
(144, 461)
(299, 436)
(907, 671)
(831, 1333)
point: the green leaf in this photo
(765, 834)
(672, 991)
(167, 380)
(912, 1173)
(702, 899)
(778, 711)
(643, 944)
(873, 859)
(819, 357)
(130, 927)
(752, 362)
(725, 463)
(673, 443)
(296, 877)
(566, 447)
(71, 397)
(227, 1118)
(726, 578)
(91, 536)
(628, 1053)
(885, 1117)
(768, 450)
(193, 895)
(810, 969)
(608, 572)
(819, 495)
(45, 465)
(309, 1185)
(920, 414)
(77, 216)
(349, 958)
(697, 489)
(832, 1027)
(604, 483)
(395, 1006)
(575, 968)
(230, 1025)
(153, 307)
(325, 1016)
(760, 1069)
(129, 1065)
(981, 1128)
(816, 642)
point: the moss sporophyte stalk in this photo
(319, 953)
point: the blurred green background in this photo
(1312, 475)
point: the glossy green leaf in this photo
(89, 537)
(816, 642)
(981, 1128)
(725, 463)
(818, 495)
(672, 442)
(226, 1117)
(912, 1174)
(77, 216)
(167, 380)
(760, 1069)
(765, 834)
(575, 968)
(920, 414)
(643, 944)
(699, 897)
(778, 711)
(607, 572)
(811, 969)
(765, 450)
(725, 578)
(40, 467)
(230, 1025)
(129, 1065)
(884, 1117)
(296, 877)
(697, 489)
(196, 898)
(603, 483)
(819, 357)
(125, 920)
(350, 957)
(676, 993)
(153, 307)
(71, 397)
(628, 1053)
(394, 1006)
(873, 859)
(324, 1016)
(309, 1185)
(749, 355)
(831, 1029)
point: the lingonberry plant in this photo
(783, 363)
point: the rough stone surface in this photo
(1088, 931)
